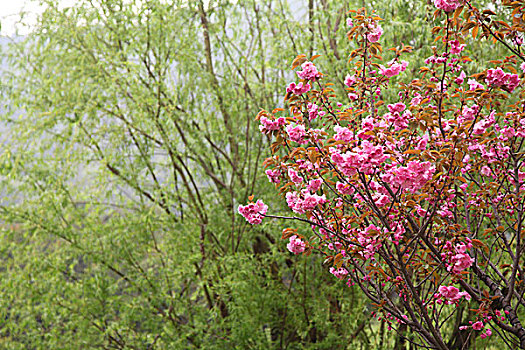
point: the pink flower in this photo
(473, 84)
(367, 126)
(375, 34)
(365, 158)
(381, 199)
(412, 177)
(296, 133)
(307, 203)
(253, 212)
(456, 47)
(488, 333)
(447, 5)
(468, 114)
(522, 66)
(451, 294)
(461, 78)
(416, 100)
(298, 89)
(497, 77)
(352, 96)
(477, 326)
(309, 72)
(343, 134)
(400, 121)
(314, 185)
(482, 126)
(369, 240)
(269, 125)
(350, 80)
(344, 188)
(273, 175)
(394, 69)
(397, 107)
(485, 170)
(295, 245)
(461, 260)
(422, 143)
(349, 22)
(313, 111)
(294, 176)
(339, 273)
(398, 234)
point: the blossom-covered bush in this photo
(418, 201)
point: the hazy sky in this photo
(9, 10)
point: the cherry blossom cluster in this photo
(296, 245)
(497, 77)
(447, 5)
(408, 194)
(450, 295)
(253, 212)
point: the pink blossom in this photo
(397, 107)
(380, 199)
(522, 66)
(488, 333)
(473, 84)
(394, 69)
(298, 89)
(369, 240)
(420, 211)
(456, 47)
(353, 96)
(477, 326)
(344, 188)
(350, 80)
(400, 121)
(309, 72)
(253, 212)
(295, 245)
(451, 294)
(367, 126)
(412, 177)
(485, 170)
(294, 176)
(398, 234)
(343, 134)
(339, 273)
(508, 132)
(461, 260)
(365, 158)
(273, 175)
(314, 185)
(375, 34)
(482, 126)
(313, 111)
(422, 143)
(461, 78)
(416, 100)
(270, 125)
(447, 5)
(497, 77)
(349, 22)
(307, 203)
(468, 114)
(296, 133)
